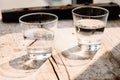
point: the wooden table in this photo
(105, 65)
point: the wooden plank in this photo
(112, 42)
(58, 67)
(46, 72)
(100, 67)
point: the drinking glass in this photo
(89, 23)
(38, 32)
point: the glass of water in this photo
(89, 23)
(38, 32)
(36, 41)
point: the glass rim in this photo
(95, 7)
(36, 13)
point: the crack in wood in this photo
(57, 65)
(54, 60)
(63, 65)
(54, 70)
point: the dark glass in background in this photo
(82, 1)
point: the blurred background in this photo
(8, 4)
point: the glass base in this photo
(92, 47)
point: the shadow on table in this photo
(25, 63)
(106, 67)
(74, 53)
(20, 68)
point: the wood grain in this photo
(100, 67)
(105, 65)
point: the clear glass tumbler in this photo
(38, 33)
(89, 23)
